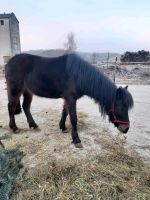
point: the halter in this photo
(115, 120)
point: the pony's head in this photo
(118, 114)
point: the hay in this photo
(115, 173)
(55, 170)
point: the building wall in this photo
(5, 44)
(15, 36)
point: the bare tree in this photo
(70, 45)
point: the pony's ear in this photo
(126, 87)
(119, 93)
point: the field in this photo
(106, 168)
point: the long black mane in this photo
(95, 84)
(92, 81)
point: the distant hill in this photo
(85, 55)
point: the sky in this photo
(98, 25)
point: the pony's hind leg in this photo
(12, 104)
(26, 107)
(63, 118)
(14, 91)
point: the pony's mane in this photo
(92, 82)
(127, 99)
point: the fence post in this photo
(114, 75)
(107, 59)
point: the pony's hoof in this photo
(63, 128)
(79, 145)
(65, 131)
(33, 126)
(16, 130)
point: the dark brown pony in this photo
(68, 77)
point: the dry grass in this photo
(115, 173)
(60, 172)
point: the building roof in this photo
(8, 15)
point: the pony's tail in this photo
(18, 109)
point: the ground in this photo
(54, 169)
(137, 74)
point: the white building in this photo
(9, 37)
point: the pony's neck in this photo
(102, 90)
(91, 81)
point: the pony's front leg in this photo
(62, 122)
(71, 102)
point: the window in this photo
(2, 22)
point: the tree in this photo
(70, 45)
(140, 56)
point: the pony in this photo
(69, 77)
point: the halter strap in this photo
(119, 121)
(115, 120)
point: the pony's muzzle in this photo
(123, 128)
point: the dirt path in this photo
(49, 140)
(55, 170)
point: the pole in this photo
(114, 75)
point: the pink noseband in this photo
(115, 120)
(119, 121)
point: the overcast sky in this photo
(98, 25)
